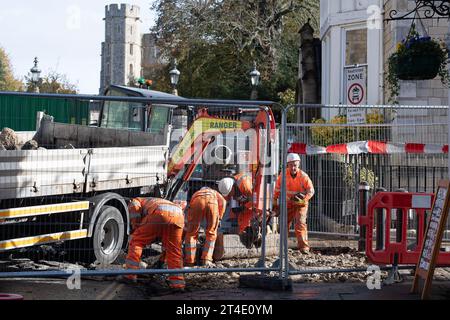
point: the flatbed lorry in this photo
(76, 185)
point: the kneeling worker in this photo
(205, 204)
(240, 189)
(161, 220)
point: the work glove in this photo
(298, 202)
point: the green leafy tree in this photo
(216, 42)
(7, 80)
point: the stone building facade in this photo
(125, 51)
(356, 32)
(424, 92)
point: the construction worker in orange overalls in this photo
(205, 204)
(240, 188)
(299, 190)
(155, 219)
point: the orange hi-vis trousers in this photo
(299, 215)
(165, 222)
(205, 204)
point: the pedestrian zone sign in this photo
(355, 79)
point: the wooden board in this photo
(432, 240)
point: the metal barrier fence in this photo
(340, 148)
(67, 199)
(65, 196)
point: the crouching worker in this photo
(156, 219)
(206, 204)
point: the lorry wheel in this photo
(108, 235)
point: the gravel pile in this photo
(329, 258)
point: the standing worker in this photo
(206, 204)
(299, 190)
(159, 220)
(240, 188)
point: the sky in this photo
(65, 35)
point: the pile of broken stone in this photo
(10, 141)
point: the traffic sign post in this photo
(355, 79)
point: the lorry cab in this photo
(156, 118)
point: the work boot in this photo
(304, 251)
(159, 265)
(207, 264)
(177, 290)
(127, 280)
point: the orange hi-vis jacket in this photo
(208, 193)
(244, 196)
(138, 208)
(161, 220)
(206, 204)
(300, 183)
(244, 186)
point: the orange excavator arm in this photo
(200, 134)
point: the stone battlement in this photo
(122, 10)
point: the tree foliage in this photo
(7, 80)
(53, 82)
(216, 42)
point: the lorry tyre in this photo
(108, 235)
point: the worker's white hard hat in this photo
(225, 186)
(293, 157)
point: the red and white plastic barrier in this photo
(371, 146)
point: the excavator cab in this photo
(155, 118)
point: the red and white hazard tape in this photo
(373, 147)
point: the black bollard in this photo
(364, 190)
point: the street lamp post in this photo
(174, 77)
(254, 78)
(35, 75)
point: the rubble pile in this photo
(329, 258)
(9, 139)
(30, 145)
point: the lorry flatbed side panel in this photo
(34, 173)
(118, 168)
(42, 239)
(22, 212)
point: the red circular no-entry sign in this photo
(355, 93)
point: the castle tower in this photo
(122, 50)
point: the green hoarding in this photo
(19, 112)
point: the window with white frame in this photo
(355, 47)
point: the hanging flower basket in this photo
(418, 67)
(417, 58)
